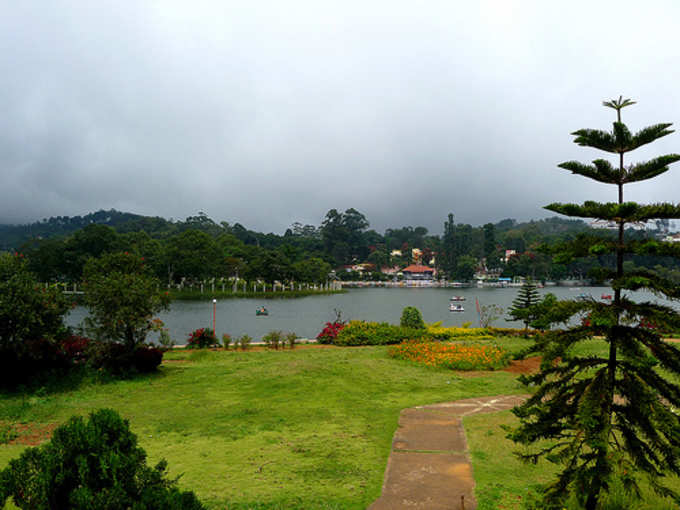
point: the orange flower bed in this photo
(456, 356)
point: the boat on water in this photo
(457, 298)
(606, 296)
(262, 311)
(583, 297)
(456, 308)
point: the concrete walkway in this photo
(429, 466)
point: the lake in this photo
(306, 316)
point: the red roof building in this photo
(416, 272)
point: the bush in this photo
(116, 359)
(290, 339)
(201, 338)
(244, 341)
(92, 465)
(330, 332)
(376, 333)
(411, 318)
(226, 341)
(454, 333)
(75, 348)
(273, 339)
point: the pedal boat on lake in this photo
(456, 308)
(262, 311)
(457, 298)
(606, 296)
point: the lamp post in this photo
(214, 313)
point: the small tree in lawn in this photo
(522, 306)
(123, 298)
(609, 416)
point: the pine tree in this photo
(521, 309)
(610, 416)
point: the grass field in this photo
(309, 428)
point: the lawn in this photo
(308, 428)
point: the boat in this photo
(457, 298)
(583, 297)
(606, 296)
(456, 308)
(262, 311)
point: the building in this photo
(417, 272)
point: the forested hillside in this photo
(200, 248)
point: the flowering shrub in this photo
(330, 332)
(75, 348)
(201, 338)
(458, 356)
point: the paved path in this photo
(429, 466)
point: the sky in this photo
(269, 113)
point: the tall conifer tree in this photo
(521, 309)
(610, 415)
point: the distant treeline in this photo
(199, 249)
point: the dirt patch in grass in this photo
(32, 434)
(524, 366)
(520, 366)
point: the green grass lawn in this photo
(308, 428)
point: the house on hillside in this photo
(416, 272)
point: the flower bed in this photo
(456, 356)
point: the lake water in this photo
(306, 316)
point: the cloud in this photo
(273, 112)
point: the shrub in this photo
(411, 318)
(226, 341)
(116, 359)
(290, 339)
(273, 339)
(454, 333)
(164, 339)
(456, 356)
(147, 358)
(201, 338)
(92, 465)
(330, 332)
(244, 341)
(376, 333)
(75, 348)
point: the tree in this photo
(522, 306)
(609, 415)
(31, 318)
(490, 251)
(449, 257)
(123, 298)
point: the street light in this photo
(214, 313)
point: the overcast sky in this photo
(267, 113)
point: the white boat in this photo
(456, 308)
(457, 298)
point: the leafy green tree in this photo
(522, 306)
(465, 267)
(28, 311)
(612, 415)
(123, 298)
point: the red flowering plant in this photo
(75, 348)
(201, 338)
(330, 332)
